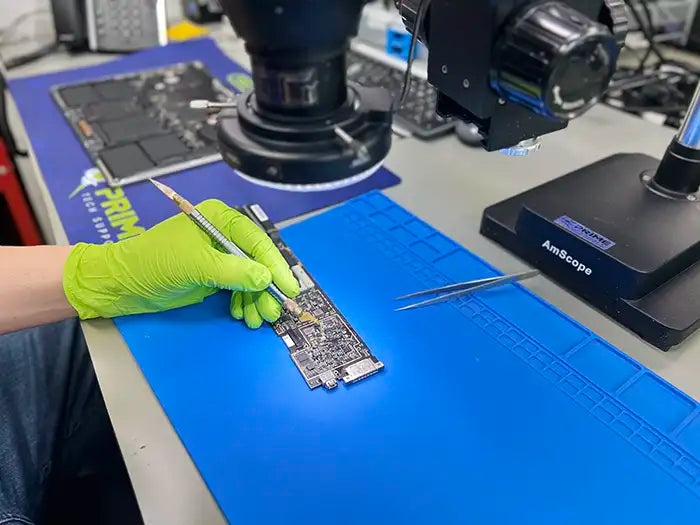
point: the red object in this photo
(11, 190)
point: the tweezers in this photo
(455, 291)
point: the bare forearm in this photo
(31, 287)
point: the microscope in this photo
(516, 70)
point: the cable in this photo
(420, 17)
(648, 32)
(647, 13)
(653, 48)
(665, 86)
(656, 109)
(14, 24)
(33, 55)
(639, 81)
(21, 60)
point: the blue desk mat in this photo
(496, 408)
(63, 161)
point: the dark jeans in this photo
(54, 428)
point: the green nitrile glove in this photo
(175, 264)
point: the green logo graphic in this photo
(240, 81)
(91, 177)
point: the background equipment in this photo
(109, 25)
(125, 25)
(416, 116)
(303, 124)
(140, 125)
(69, 23)
(517, 71)
(202, 11)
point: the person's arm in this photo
(171, 265)
(31, 289)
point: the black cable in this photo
(653, 47)
(420, 17)
(647, 31)
(664, 87)
(654, 109)
(21, 60)
(643, 61)
(635, 83)
(647, 13)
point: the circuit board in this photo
(327, 351)
(139, 125)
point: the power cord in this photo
(22, 60)
(11, 27)
(420, 17)
(663, 88)
(648, 30)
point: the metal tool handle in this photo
(229, 247)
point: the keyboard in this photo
(417, 116)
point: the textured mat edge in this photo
(658, 445)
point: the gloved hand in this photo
(175, 264)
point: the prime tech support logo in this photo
(90, 179)
(110, 212)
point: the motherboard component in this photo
(326, 351)
(140, 125)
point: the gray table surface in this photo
(446, 184)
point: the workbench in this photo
(443, 182)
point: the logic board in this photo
(139, 125)
(327, 351)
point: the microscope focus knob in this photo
(614, 16)
(554, 60)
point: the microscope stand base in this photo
(605, 235)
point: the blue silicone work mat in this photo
(497, 408)
(82, 203)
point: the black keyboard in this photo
(417, 115)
